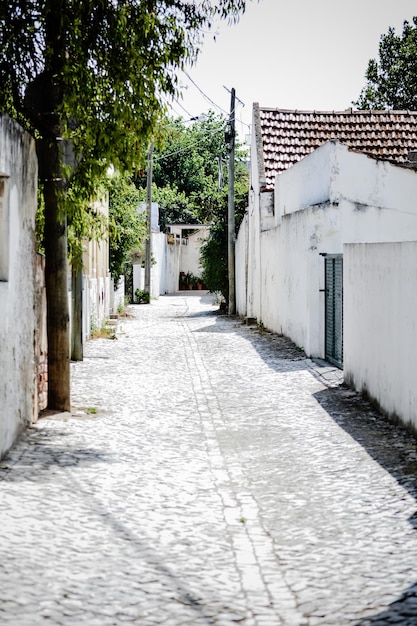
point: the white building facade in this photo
(172, 253)
(339, 226)
(19, 297)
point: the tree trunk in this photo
(48, 95)
(56, 279)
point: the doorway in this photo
(334, 309)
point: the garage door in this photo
(334, 309)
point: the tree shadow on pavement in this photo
(391, 445)
(394, 449)
(271, 347)
(197, 314)
(145, 553)
(38, 456)
(402, 612)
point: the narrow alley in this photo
(208, 475)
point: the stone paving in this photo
(208, 474)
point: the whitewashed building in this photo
(19, 304)
(174, 253)
(322, 215)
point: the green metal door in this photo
(334, 309)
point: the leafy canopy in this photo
(189, 187)
(87, 78)
(95, 71)
(127, 227)
(186, 172)
(392, 80)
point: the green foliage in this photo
(186, 170)
(40, 221)
(186, 186)
(214, 261)
(86, 221)
(142, 297)
(127, 227)
(94, 73)
(189, 162)
(214, 253)
(174, 206)
(88, 80)
(392, 80)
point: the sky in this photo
(289, 54)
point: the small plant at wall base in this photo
(142, 296)
(105, 332)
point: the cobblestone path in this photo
(220, 482)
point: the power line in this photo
(204, 94)
(190, 145)
(213, 103)
(183, 108)
(179, 104)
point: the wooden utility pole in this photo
(77, 314)
(230, 142)
(148, 249)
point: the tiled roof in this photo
(287, 136)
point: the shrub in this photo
(142, 296)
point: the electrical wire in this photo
(183, 108)
(190, 145)
(204, 94)
(240, 121)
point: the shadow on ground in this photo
(395, 449)
(392, 446)
(402, 612)
(271, 347)
(40, 457)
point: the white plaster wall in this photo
(306, 183)
(321, 203)
(158, 269)
(138, 277)
(293, 274)
(164, 271)
(253, 302)
(241, 263)
(380, 324)
(376, 198)
(117, 296)
(190, 254)
(253, 276)
(172, 268)
(170, 259)
(87, 310)
(97, 296)
(18, 362)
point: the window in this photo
(4, 228)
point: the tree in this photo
(214, 252)
(127, 227)
(175, 207)
(86, 77)
(392, 80)
(186, 186)
(185, 170)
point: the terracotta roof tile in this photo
(287, 136)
